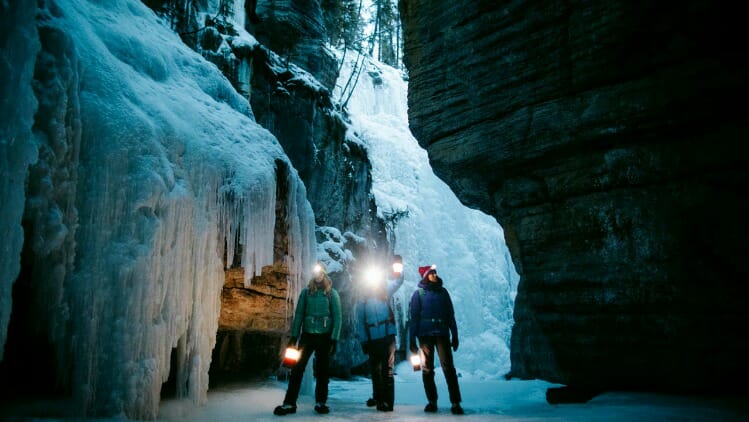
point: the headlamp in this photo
(372, 276)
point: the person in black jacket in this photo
(433, 322)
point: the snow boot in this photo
(456, 409)
(284, 409)
(431, 407)
(371, 402)
(321, 408)
(384, 407)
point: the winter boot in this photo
(371, 402)
(431, 407)
(456, 409)
(384, 407)
(321, 408)
(284, 409)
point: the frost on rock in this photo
(331, 249)
(152, 174)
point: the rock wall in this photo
(253, 324)
(335, 169)
(288, 77)
(295, 29)
(605, 139)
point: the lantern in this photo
(416, 362)
(290, 357)
(397, 267)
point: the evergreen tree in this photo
(386, 36)
(343, 22)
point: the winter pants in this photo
(319, 344)
(442, 344)
(381, 362)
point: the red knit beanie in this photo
(424, 270)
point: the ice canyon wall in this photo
(133, 176)
(609, 142)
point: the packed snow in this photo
(483, 400)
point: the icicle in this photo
(244, 73)
(239, 13)
(258, 228)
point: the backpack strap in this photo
(366, 324)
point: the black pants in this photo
(381, 362)
(442, 344)
(319, 344)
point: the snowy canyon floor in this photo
(483, 400)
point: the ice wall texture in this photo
(149, 166)
(18, 47)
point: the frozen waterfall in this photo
(467, 246)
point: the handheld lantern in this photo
(290, 357)
(398, 267)
(416, 362)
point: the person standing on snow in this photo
(376, 332)
(433, 322)
(318, 320)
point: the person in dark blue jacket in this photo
(433, 322)
(376, 332)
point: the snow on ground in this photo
(483, 400)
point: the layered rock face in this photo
(295, 29)
(336, 171)
(252, 325)
(605, 140)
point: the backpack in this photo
(367, 325)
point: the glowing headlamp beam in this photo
(373, 275)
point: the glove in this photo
(365, 348)
(414, 348)
(292, 342)
(455, 344)
(333, 346)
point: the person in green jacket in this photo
(318, 320)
